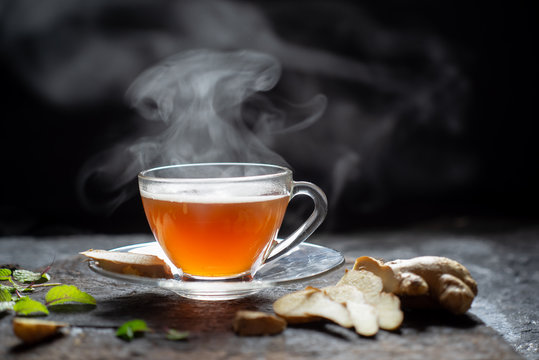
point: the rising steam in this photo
(393, 126)
(196, 98)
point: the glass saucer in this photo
(304, 262)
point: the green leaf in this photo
(129, 329)
(5, 274)
(5, 295)
(6, 306)
(11, 289)
(27, 277)
(27, 306)
(175, 335)
(68, 293)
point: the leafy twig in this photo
(23, 305)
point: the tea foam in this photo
(210, 198)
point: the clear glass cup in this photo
(219, 221)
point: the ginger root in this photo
(427, 281)
(250, 323)
(130, 263)
(32, 331)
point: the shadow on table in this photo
(161, 311)
(27, 347)
(422, 319)
(415, 320)
(173, 311)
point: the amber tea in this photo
(212, 238)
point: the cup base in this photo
(215, 294)
(241, 277)
(217, 288)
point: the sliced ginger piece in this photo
(362, 314)
(386, 274)
(387, 306)
(251, 323)
(364, 317)
(367, 282)
(321, 305)
(289, 306)
(357, 300)
(130, 263)
(32, 330)
(425, 281)
(344, 293)
(388, 310)
(311, 304)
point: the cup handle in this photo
(309, 226)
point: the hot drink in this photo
(215, 238)
(220, 221)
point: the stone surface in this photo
(502, 319)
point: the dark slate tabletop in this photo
(502, 323)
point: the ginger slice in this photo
(344, 293)
(388, 310)
(35, 330)
(288, 306)
(311, 304)
(377, 267)
(357, 300)
(386, 305)
(321, 305)
(250, 323)
(363, 315)
(367, 282)
(425, 281)
(130, 263)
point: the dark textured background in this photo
(440, 121)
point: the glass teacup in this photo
(219, 221)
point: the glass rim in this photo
(283, 171)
